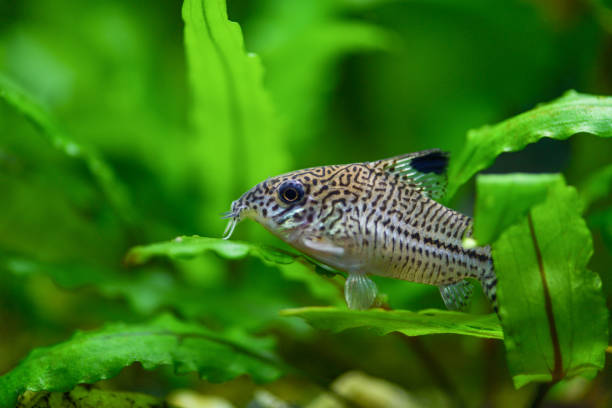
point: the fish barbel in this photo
(374, 218)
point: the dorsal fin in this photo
(425, 169)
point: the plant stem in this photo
(557, 372)
(541, 393)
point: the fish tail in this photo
(489, 285)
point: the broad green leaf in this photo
(560, 119)
(95, 355)
(597, 186)
(238, 142)
(431, 321)
(22, 102)
(551, 306)
(293, 266)
(505, 199)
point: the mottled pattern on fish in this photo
(374, 218)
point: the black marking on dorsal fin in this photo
(424, 170)
(433, 161)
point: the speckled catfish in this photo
(374, 218)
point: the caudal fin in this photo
(489, 286)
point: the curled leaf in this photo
(562, 118)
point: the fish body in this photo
(374, 218)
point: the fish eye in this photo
(290, 192)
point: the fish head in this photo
(293, 202)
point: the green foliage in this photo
(597, 186)
(502, 201)
(294, 266)
(153, 119)
(571, 114)
(545, 289)
(91, 356)
(602, 222)
(188, 247)
(381, 322)
(56, 137)
(151, 290)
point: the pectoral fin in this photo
(457, 296)
(359, 291)
(322, 246)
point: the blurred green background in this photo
(349, 81)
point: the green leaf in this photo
(597, 186)
(505, 200)
(239, 143)
(602, 221)
(560, 119)
(188, 247)
(95, 355)
(431, 321)
(551, 306)
(22, 102)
